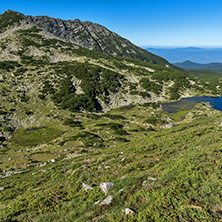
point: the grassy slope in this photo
(212, 77)
(170, 175)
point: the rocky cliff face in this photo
(86, 34)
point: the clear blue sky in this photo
(143, 22)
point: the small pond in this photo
(189, 103)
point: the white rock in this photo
(97, 202)
(107, 201)
(167, 126)
(53, 160)
(152, 178)
(86, 186)
(144, 182)
(106, 186)
(2, 188)
(128, 211)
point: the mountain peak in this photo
(9, 11)
(9, 18)
(85, 34)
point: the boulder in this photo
(107, 201)
(105, 187)
(128, 211)
(86, 187)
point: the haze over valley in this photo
(193, 54)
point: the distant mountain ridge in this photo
(194, 54)
(86, 34)
(215, 66)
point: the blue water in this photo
(129, 107)
(189, 103)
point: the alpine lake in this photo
(178, 109)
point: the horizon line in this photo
(174, 47)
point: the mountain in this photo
(86, 34)
(210, 72)
(78, 126)
(78, 78)
(194, 54)
(40, 68)
(215, 66)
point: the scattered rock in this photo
(107, 201)
(152, 178)
(41, 164)
(143, 183)
(84, 167)
(167, 126)
(86, 187)
(2, 188)
(128, 211)
(9, 173)
(72, 155)
(97, 202)
(106, 186)
(53, 160)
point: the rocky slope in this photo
(85, 34)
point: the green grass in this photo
(34, 136)
(183, 162)
(180, 115)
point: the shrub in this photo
(150, 86)
(144, 94)
(71, 122)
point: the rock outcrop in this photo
(86, 34)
